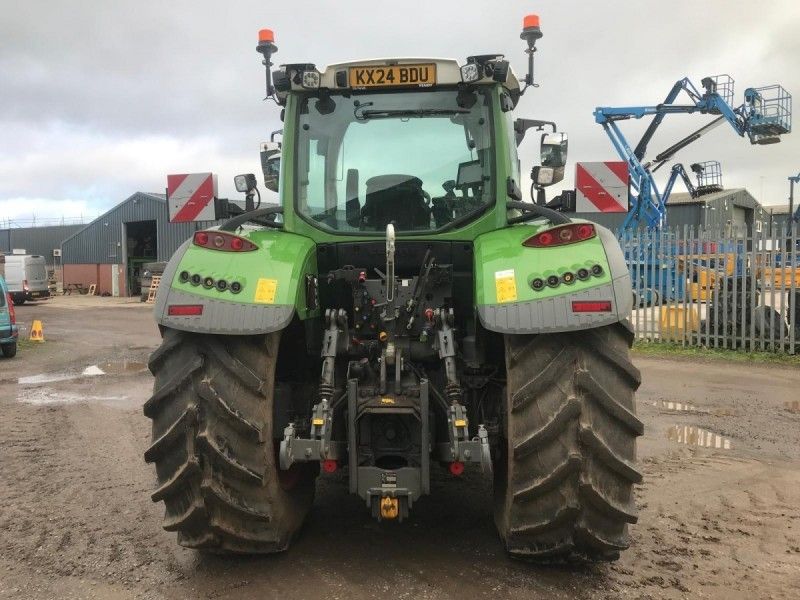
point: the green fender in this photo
(274, 278)
(505, 269)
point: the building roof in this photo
(686, 198)
(778, 209)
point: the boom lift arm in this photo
(763, 117)
(794, 215)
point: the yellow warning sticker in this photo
(265, 291)
(505, 284)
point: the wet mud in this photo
(719, 505)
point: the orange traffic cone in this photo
(37, 332)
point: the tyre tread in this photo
(568, 472)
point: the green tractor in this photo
(402, 315)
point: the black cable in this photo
(534, 211)
(235, 222)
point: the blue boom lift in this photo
(763, 117)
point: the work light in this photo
(470, 72)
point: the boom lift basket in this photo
(770, 110)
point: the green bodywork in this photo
(281, 257)
(288, 255)
(501, 251)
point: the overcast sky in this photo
(101, 99)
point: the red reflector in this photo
(584, 232)
(11, 313)
(456, 468)
(587, 306)
(330, 465)
(219, 240)
(185, 310)
(561, 235)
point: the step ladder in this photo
(154, 283)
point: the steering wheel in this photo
(427, 197)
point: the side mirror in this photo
(554, 150)
(271, 164)
(554, 159)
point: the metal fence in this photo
(717, 288)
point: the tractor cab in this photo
(424, 144)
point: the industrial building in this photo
(780, 218)
(726, 210)
(44, 241)
(111, 250)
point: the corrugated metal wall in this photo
(36, 240)
(778, 223)
(101, 241)
(677, 215)
(716, 213)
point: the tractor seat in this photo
(397, 199)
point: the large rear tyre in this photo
(213, 448)
(564, 481)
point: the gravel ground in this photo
(720, 503)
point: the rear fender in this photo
(505, 269)
(274, 281)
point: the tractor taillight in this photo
(25, 285)
(185, 310)
(590, 306)
(219, 240)
(561, 235)
(11, 314)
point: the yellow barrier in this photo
(37, 331)
(676, 319)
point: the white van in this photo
(26, 276)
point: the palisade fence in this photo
(715, 288)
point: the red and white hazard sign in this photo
(601, 186)
(191, 197)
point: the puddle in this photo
(677, 406)
(792, 406)
(122, 367)
(41, 396)
(695, 436)
(46, 378)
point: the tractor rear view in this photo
(401, 315)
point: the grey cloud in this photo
(87, 77)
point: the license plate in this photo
(422, 75)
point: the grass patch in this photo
(672, 350)
(27, 344)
